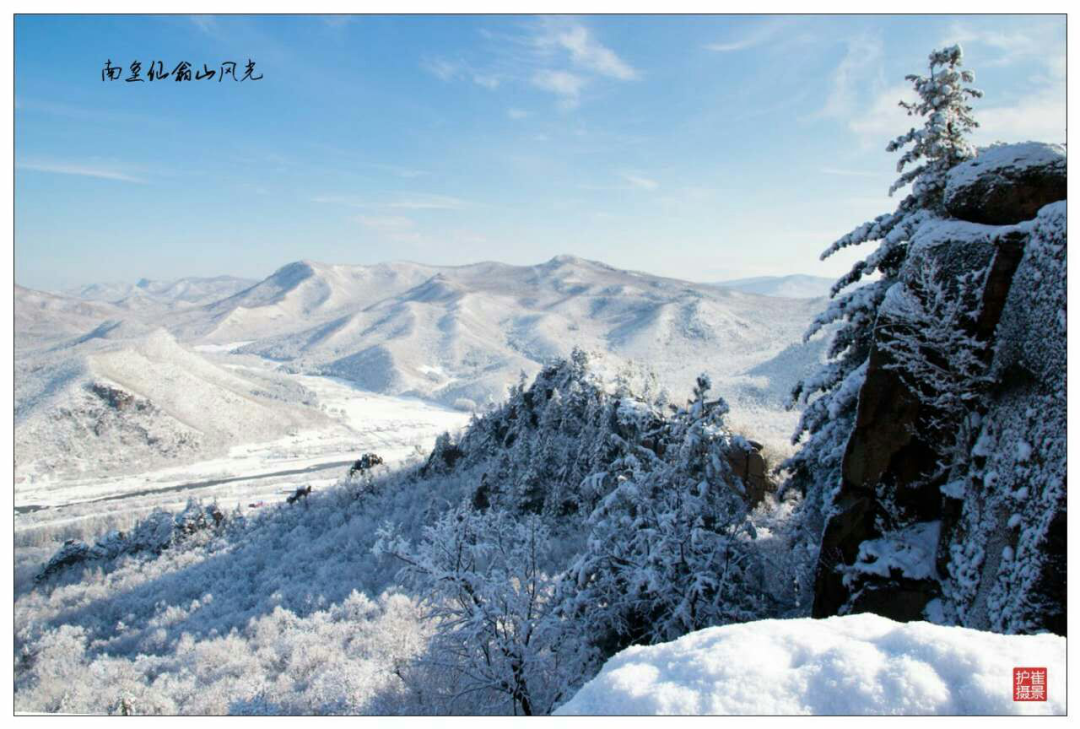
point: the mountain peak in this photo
(565, 258)
(293, 273)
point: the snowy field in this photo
(49, 507)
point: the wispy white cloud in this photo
(557, 55)
(488, 81)
(206, 23)
(1036, 40)
(640, 182)
(337, 21)
(103, 172)
(442, 68)
(1038, 117)
(755, 37)
(517, 113)
(1040, 113)
(883, 118)
(630, 181)
(450, 70)
(406, 173)
(586, 51)
(861, 64)
(564, 84)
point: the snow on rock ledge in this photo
(856, 664)
(1007, 183)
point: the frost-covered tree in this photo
(668, 547)
(942, 141)
(830, 396)
(931, 341)
(534, 451)
(483, 584)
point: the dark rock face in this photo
(999, 562)
(900, 599)
(73, 552)
(1007, 184)
(887, 456)
(117, 399)
(443, 456)
(1005, 553)
(750, 467)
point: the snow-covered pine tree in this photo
(942, 142)
(932, 346)
(830, 396)
(669, 546)
(534, 451)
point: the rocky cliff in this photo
(952, 508)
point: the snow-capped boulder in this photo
(153, 534)
(73, 552)
(1007, 183)
(858, 664)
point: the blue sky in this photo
(704, 148)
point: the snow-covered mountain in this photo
(457, 335)
(796, 286)
(467, 332)
(295, 296)
(42, 318)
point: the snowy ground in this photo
(857, 664)
(393, 427)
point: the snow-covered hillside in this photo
(296, 609)
(856, 664)
(302, 607)
(109, 405)
(42, 318)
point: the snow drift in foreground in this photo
(856, 664)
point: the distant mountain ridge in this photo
(189, 291)
(795, 286)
